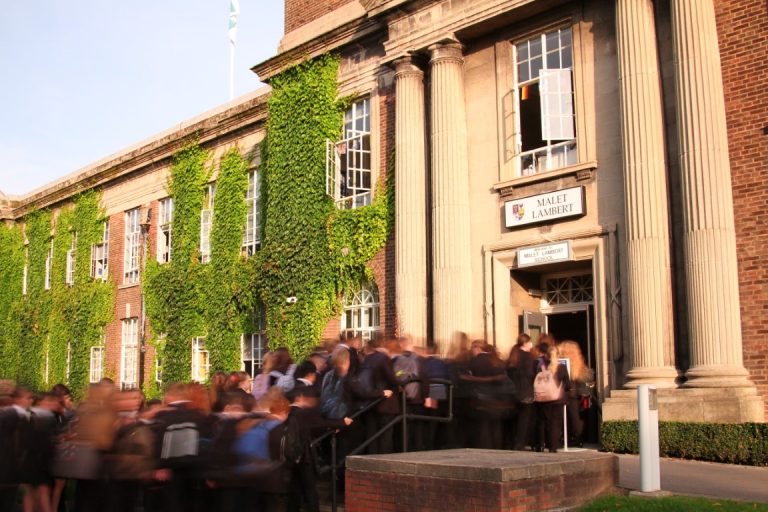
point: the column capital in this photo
(408, 65)
(447, 50)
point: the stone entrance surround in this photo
(487, 480)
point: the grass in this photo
(670, 504)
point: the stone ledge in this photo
(484, 465)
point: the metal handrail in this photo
(403, 418)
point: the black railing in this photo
(402, 418)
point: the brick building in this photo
(592, 169)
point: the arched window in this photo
(361, 311)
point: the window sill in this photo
(505, 187)
(127, 285)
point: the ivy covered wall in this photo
(46, 335)
(309, 250)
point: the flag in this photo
(234, 11)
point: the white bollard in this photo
(648, 416)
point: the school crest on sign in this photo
(518, 210)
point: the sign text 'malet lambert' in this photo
(542, 207)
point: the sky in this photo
(80, 80)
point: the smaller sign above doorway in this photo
(545, 253)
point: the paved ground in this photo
(701, 478)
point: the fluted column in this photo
(646, 205)
(451, 264)
(411, 200)
(714, 322)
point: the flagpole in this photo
(231, 72)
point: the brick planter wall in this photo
(484, 480)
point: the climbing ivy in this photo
(46, 335)
(312, 250)
(173, 291)
(229, 292)
(11, 300)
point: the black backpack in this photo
(292, 442)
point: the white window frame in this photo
(132, 252)
(362, 311)
(25, 273)
(129, 354)
(70, 278)
(96, 370)
(346, 168)
(206, 222)
(201, 360)
(164, 229)
(69, 359)
(557, 105)
(48, 265)
(252, 231)
(100, 255)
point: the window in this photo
(70, 279)
(252, 233)
(69, 359)
(348, 162)
(48, 263)
(253, 345)
(206, 220)
(545, 111)
(97, 364)
(200, 362)
(361, 312)
(569, 289)
(164, 219)
(132, 246)
(129, 354)
(158, 369)
(100, 255)
(25, 274)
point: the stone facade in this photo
(644, 117)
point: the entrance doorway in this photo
(575, 325)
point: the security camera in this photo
(291, 300)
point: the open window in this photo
(545, 108)
(348, 176)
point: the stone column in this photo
(451, 264)
(411, 200)
(646, 206)
(714, 322)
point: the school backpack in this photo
(291, 442)
(180, 440)
(406, 369)
(260, 386)
(546, 388)
(332, 397)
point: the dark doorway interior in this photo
(578, 326)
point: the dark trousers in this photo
(522, 426)
(375, 421)
(550, 425)
(575, 421)
(303, 488)
(8, 498)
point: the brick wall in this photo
(742, 25)
(371, 490)
(301, 12)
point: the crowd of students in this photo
(243, 444)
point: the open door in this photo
(534, 323)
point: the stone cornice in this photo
(143, 156)
(336, 38)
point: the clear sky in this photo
(81, 79)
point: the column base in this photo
(722, 405)
(717, 376)
(660, 376)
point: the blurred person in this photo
(578, 398)
(408, 366)
(439, 435)
(485, 373)
(16, 441)
(305, 374)
(376, 378)
(521, 368)
(353, 345)
(550, 388)
(304, 422)
(216, 390)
